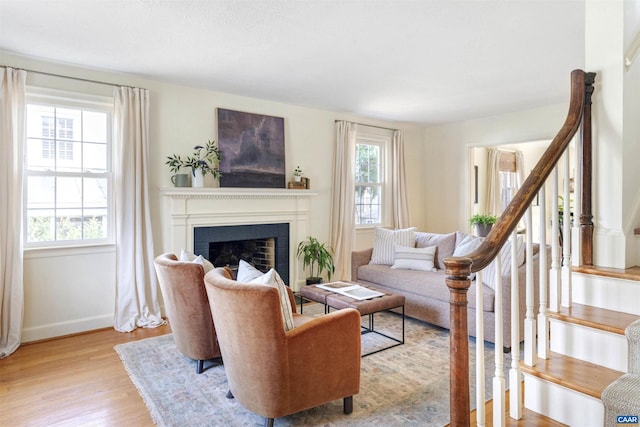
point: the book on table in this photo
(351, 290)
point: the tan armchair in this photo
(187, 305)
(274, 373)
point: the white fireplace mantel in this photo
(188, 208)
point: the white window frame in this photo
(367, 135)
(86, 102)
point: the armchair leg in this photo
(199, 366)
(268, 422)
(347, 403)
(229, 394)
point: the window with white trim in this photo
(67, 170)
(370, 179)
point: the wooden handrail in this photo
(458, 269)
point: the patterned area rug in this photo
(404, 385)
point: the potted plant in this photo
(297, 174)
(318, 257)
(203, 161)
(483, 223)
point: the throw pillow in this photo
(384, 241)
(446, 243)
(272, 278)
(189, 257)
(247, 272)
(489, 273)
(468, 244)
(409, 258)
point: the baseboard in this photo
(75, 326)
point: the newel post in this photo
(458, 271)
(586, 218)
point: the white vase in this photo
(297, 178)
(197, 179)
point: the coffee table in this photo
(367, 307)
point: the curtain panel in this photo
(136, 282)
(342, 225)
(400, 203)
(12, 131)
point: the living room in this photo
(183, 115)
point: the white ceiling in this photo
(426, 62)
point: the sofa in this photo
(424, 288)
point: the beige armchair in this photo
(274, 373)
(187, 306)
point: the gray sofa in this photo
(427, 295)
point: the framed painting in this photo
(252, 148)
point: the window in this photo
(67, 170)
(370, 179)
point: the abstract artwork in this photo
(252, 148)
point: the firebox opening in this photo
(258, 252)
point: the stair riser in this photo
(606, 292)
(592, 345)
(562, 404)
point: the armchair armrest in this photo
(359, 258)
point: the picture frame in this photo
(252, 148)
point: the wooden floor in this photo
(72, 381)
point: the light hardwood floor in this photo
(72, 381)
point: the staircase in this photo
(588, 347)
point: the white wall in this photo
(71, 290)
(446, 170)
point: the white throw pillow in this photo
(409, 258)
(272, 278)
(384, 241)
(489, 273)
(466, 246)
(189, 257)
(247, 272)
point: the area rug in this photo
(404, 385)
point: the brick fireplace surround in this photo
(189, 208)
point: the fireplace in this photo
(207, 214)
(264, 246)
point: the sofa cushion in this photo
(430, 284)
(410, 258)
(384, 241)
(445, 243)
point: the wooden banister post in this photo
(586, 218)
(458, 271)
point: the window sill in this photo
(61, 251)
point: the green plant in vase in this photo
(483, 223)
(318, 257)
(204, 160)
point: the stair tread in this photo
(632, 273)
(584, 377)
(595, 317)
(529, 417)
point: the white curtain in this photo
(494, 202)
(12, 126)
(342, 226)
(136, 283)
(400, 204)
(502, 184)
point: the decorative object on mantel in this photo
(304, 184)
(252, 146)
(483, 223)
(205, 160)
(297, 174)
(318, 257)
